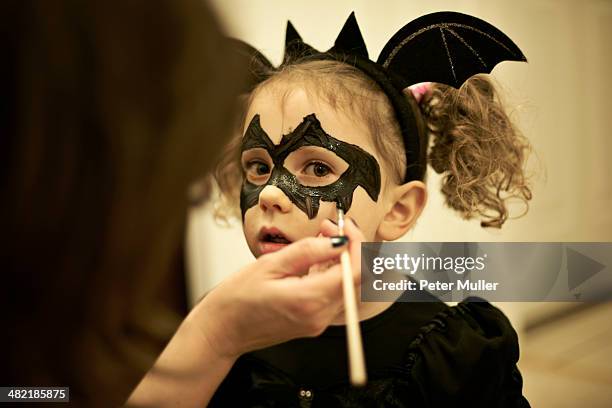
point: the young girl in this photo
(319, 132)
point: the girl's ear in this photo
(407, 202)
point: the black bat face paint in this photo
(363, 168)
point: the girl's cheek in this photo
(366, 213)
(248, 226)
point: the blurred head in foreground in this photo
(109, 111)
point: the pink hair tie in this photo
(420, 89)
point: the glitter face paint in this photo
(363, 168)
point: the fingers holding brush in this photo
(355, 237)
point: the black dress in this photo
(418, 354)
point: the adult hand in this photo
(269, 301)
(274, 299)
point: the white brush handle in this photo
(357, 369)
(353, 333)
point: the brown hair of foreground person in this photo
(109, 110)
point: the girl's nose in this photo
(272, 198)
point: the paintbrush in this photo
(353, 333)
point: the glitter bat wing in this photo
(446, 47)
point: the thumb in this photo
(296, 258)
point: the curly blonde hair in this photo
(476, 147)
(478, 150)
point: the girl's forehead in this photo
(281, 110)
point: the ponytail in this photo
(477, 148)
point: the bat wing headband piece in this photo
(444, 47)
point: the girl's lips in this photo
(271, 239)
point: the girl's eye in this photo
(262, 168)
(257, 168)
(317, 169)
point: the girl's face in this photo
(332, 159)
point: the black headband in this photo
(444, 47)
